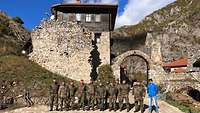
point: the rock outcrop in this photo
(169, 33)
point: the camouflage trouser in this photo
(65, 101)
(53, 97)
(81, 101)
(112, 102)
(91, 101)
(97, 101)
(140, 106)
(101, 103)
(72, 102)
(121, 99)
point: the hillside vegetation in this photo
(180, 12)
(17, 67)
(13, 36)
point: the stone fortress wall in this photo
(65, 48)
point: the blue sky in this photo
(32, 11)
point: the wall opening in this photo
(134, 68)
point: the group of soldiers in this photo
(96, 95)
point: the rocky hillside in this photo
(13, 36)
(175, 27)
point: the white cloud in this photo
(136, 10)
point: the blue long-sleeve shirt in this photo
(152, 89)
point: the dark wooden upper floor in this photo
(96, 17)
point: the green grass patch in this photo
(183, 106)
(27, 74)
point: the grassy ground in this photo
(183, 106)
(27, 74)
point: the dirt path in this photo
(164, 108)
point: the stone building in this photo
(76, 40)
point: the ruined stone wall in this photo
(63, 48)
(104, 48)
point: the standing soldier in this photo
(139, 94)
(72, 91)
(91, 95)
(27, 97)
(81, 95)
(96, 85)
(63, 94)
(112, 97)
(54, 95)
(67, 95)
(123, 95)
(102, 93)
(107, 93)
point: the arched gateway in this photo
(118, 61)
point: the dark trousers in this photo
(72, 102)
(121, 99)
(91, 101)
(64, 103)
(140, 106)
(101, 103)
(112, 102)
(53, 98)
(28, 100)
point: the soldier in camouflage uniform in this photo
(139, 94)
(81, 93)
(96, 85)
(123, 95)
(54, 95)
(91, 95)
(112, 96)
(72, 92)
(107, 86)
(63, 95)
(102, 93)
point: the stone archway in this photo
(117, 61)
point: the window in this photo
(78, 17)
(88, 17)
(98, 18)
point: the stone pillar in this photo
(103, 45)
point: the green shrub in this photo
(105, 73)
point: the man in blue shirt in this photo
(152, 90)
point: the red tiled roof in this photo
(180, 70)
(177, 63)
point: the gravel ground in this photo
(163, 108)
